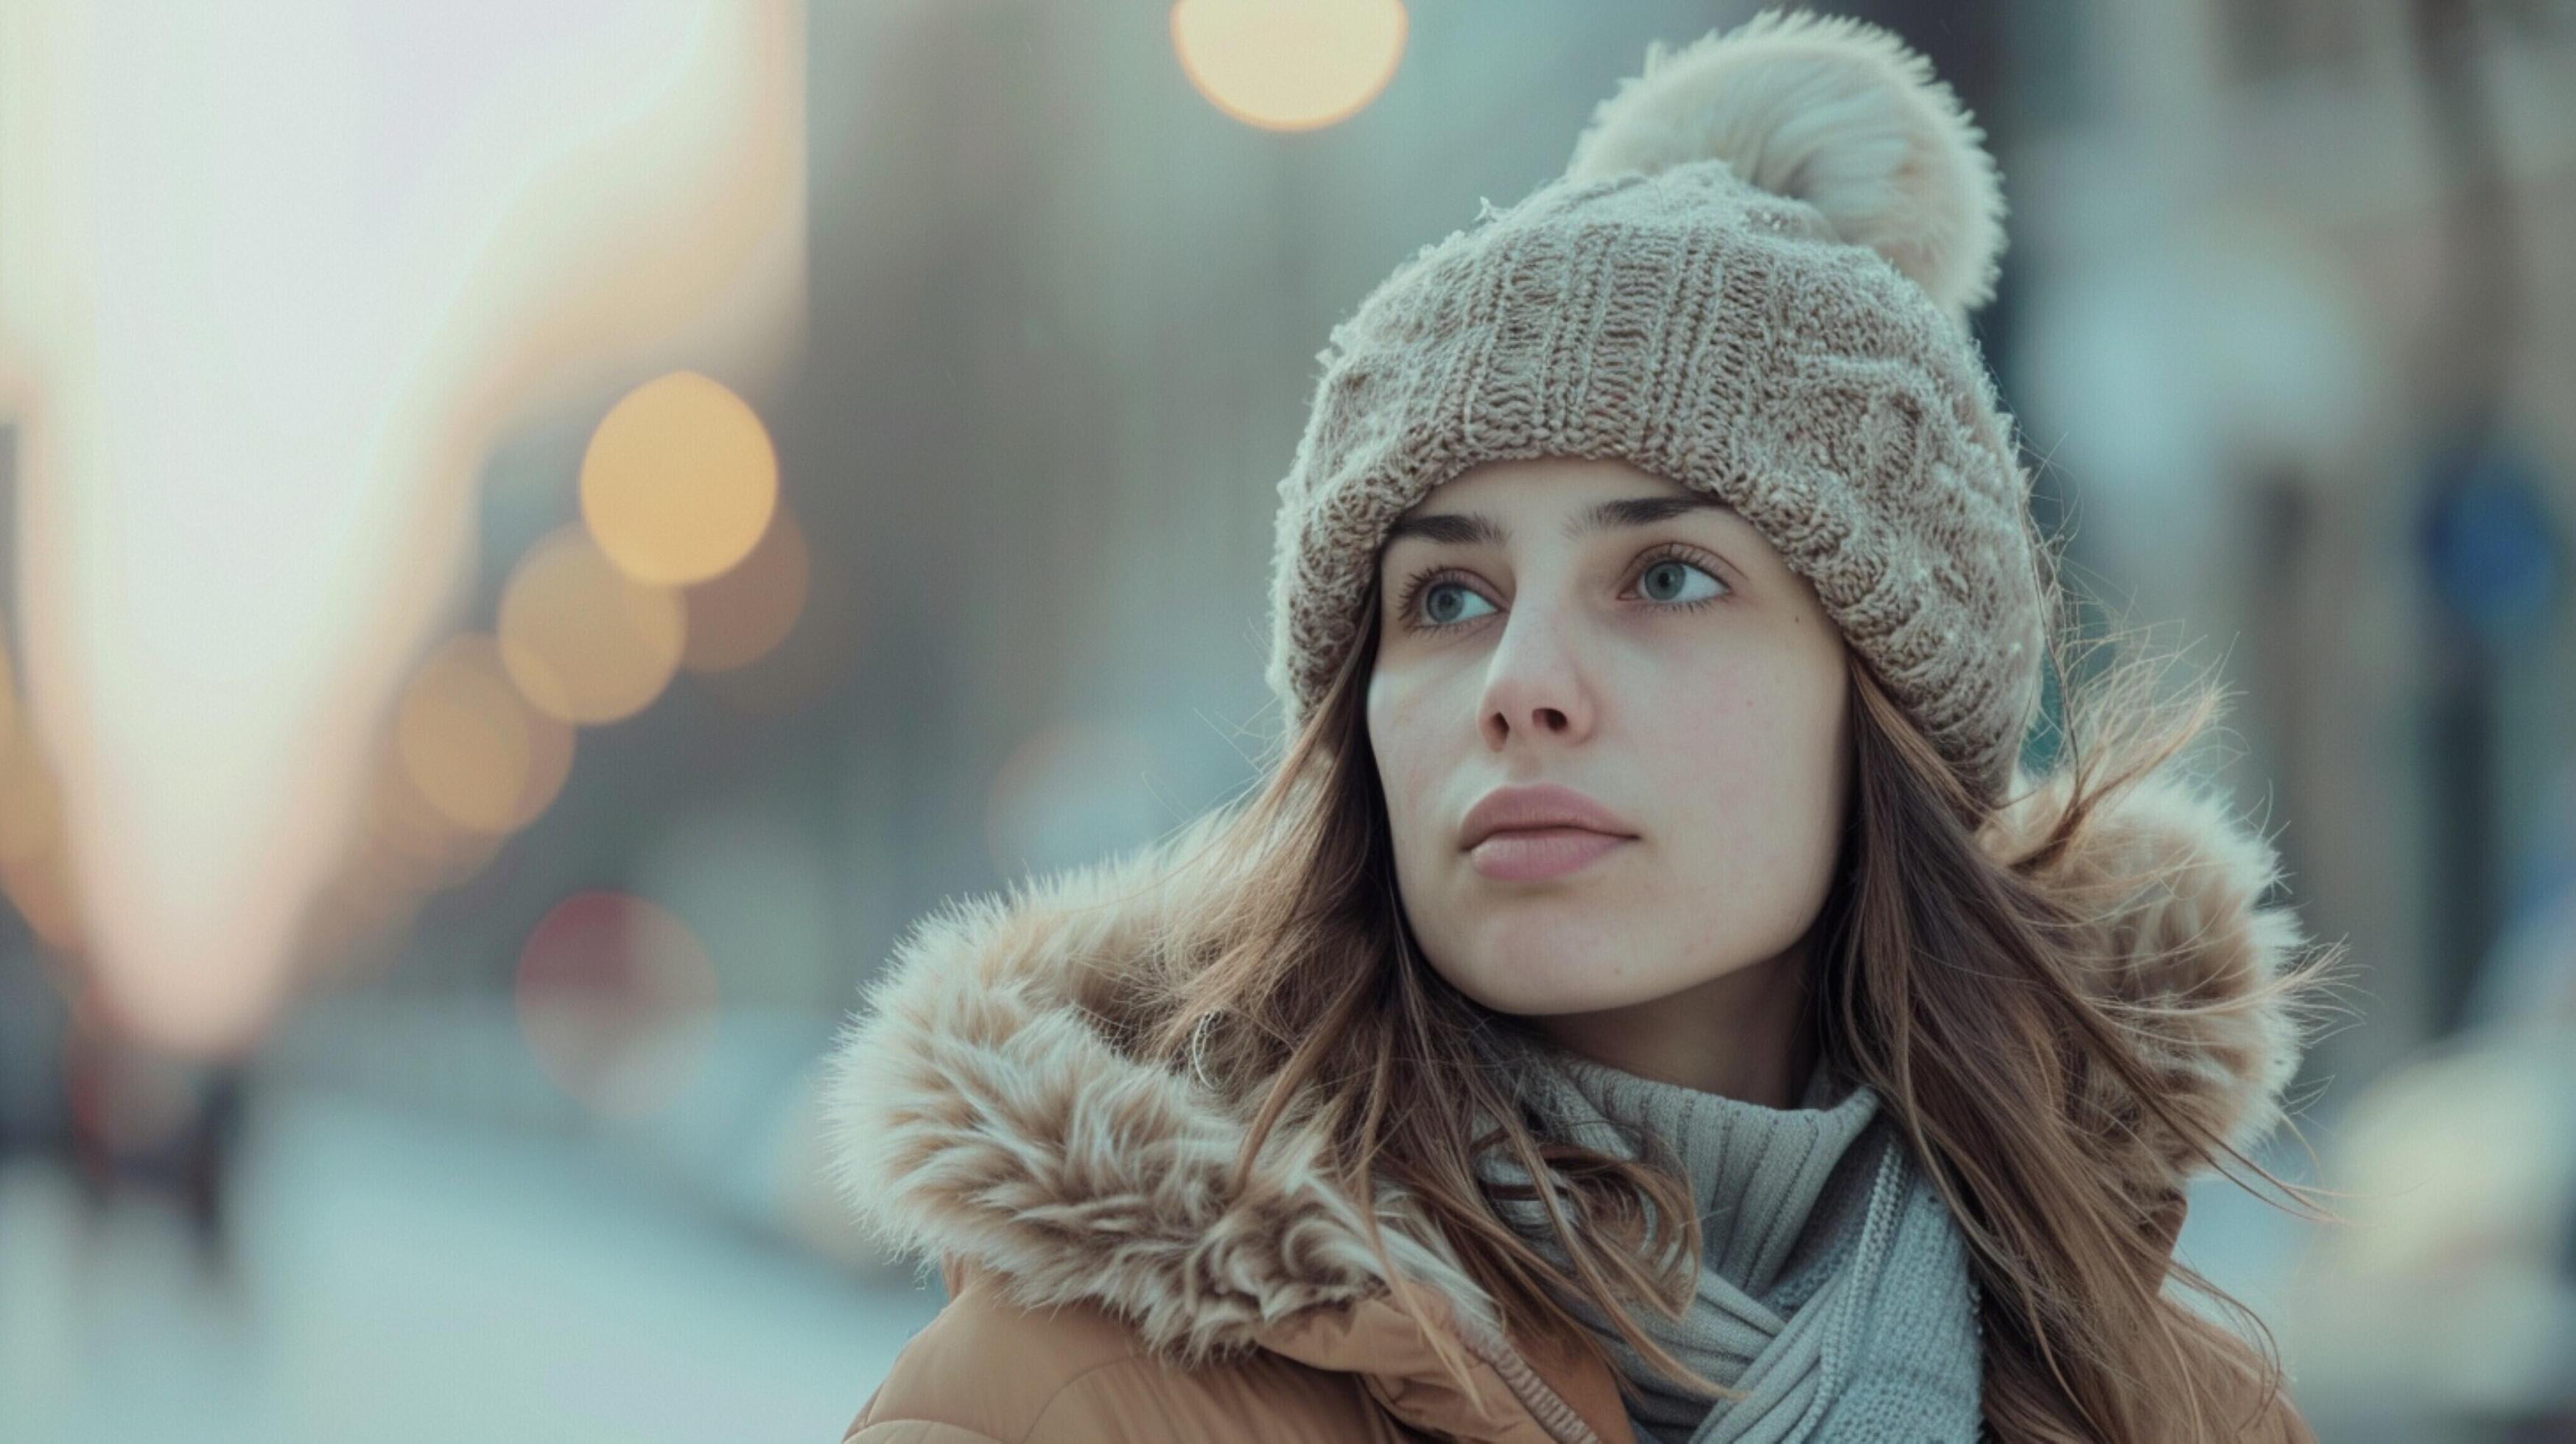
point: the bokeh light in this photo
(472, 744)
(407, 843)
(616, 997)
(585, 642)
(1289, 64)
(679, 480)
(742, 616)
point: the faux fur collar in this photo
(983, 1109)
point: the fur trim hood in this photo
(2194, 969)
(983, 1111)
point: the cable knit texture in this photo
(1754, 281)
(1834, 1288)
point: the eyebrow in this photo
(1476, 528)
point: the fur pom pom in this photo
(1831, 111)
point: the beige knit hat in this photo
(1754, 279)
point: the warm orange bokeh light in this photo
(585, 642)
(617, 998)
(1289, 64)
(679, 481)
(742, 616)
(471, 743)
(409, 845)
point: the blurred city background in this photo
(536, 538)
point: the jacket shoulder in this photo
(990, 1367)
(987, 1371)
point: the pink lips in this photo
(1533, 832)
(1537, 854)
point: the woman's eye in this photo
(1440, 610)
(1669, 575)
(1441, 603)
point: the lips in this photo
(1538, 807)
(1539, 854)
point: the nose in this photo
(1535, 683)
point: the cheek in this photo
(1752, 777)
(1399, 736)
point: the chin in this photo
(1543, 991)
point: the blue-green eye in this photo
(1436, 599)
(1672, 572)
(1444, 601)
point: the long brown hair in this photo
(1955, 978)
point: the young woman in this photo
(1651, 998)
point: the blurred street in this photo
(403, 1272)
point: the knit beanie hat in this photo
(1753, 279)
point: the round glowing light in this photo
(1289, 64)
(617, 999)
(679, 481)
(585, 642)
(742, 616)
(471, 743)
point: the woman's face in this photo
(1659, 657)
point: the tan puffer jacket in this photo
(1106, 1284)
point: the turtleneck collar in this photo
(1833, 1290)
(1755, 1172)
(1752, 1171)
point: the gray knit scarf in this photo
(1834, 1285)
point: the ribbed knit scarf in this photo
(1834, 1286)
